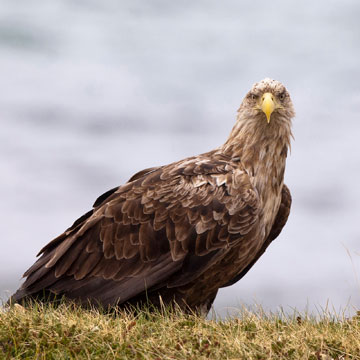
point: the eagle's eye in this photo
(282, 96)
(253, 96)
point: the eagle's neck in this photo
(262, 150)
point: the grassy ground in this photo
(67, 332)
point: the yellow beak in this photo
(267, 105)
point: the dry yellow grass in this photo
(68, 332)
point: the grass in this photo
(69, 332)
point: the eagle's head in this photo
(263, 122)
(268, 99)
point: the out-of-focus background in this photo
(92, 91)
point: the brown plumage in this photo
(179, 231)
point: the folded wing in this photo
(163, 228)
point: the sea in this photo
(93, 91)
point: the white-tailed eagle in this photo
(181, 231)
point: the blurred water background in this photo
(92, 91)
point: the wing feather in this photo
(165, 226)
(279, 223)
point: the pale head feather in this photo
(251, 126)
